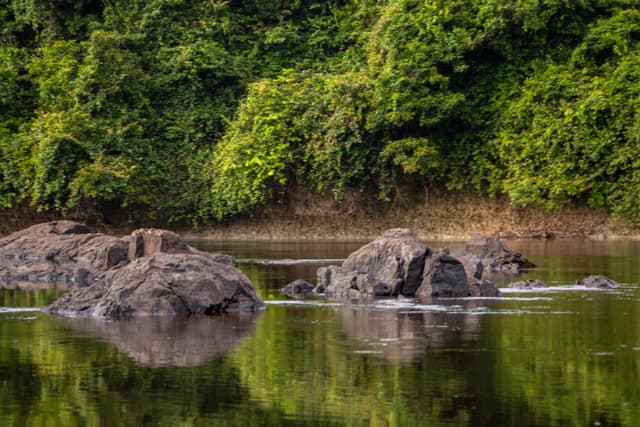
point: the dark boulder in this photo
(298, 289)
(598, 281)
(390, 265)
(444, 276)
(493, 255)
(163, 283)
(528, 284)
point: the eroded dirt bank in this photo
(445, 216)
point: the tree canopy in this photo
(192, 111)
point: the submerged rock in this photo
(528, 284)
(598, 281)
(298, 289)
(163, 283)
(483, 288)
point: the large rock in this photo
(444, 276)
(57, 254)
(163, 283)
(492, 255)
(149, 272)
(390, 265)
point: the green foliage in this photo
(570, 133)
(191, 110)
(298, 125)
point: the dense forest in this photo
(194, 111)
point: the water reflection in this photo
(402, 332)
(156, 341)
(559, 357)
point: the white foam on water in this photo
(19, 309)
(561, 288)
(304, 303)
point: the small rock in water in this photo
(298, 289)
(598, 281)
(483, 288)
(528, 284)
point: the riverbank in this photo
(444, 216)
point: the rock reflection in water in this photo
(403, 333)
(157, 341)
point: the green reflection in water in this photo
(559, 358)
(33, 298)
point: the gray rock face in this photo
(148, 241)
(528, 284)
(298, 289)
(57, 254)
(598, 281)
(163, 283)
(494, 256)
(353, 285)
(444, 276)
(390, 265)
(164, 276)
(398, 263)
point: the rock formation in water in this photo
(390, 265)
(398, 263)
(528, 284)
(598, 281)
(492, 255)
(61, 254)
(444, 276)
(298, 289)
(148, 272)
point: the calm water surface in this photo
(560, 357)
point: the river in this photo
(565, 356)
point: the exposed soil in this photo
(445, 216)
